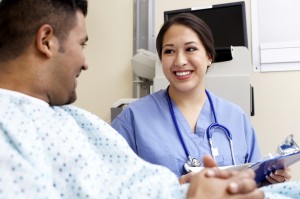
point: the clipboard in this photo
(265, 167)
(288, 154)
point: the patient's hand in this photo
(233, 182)
(238, 185)
(214, 172)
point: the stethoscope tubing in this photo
(176, 125)
(217, 125)
(208, 130)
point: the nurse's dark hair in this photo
(21, 19)
(196, 24)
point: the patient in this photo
(49, 149)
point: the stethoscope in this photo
(192, 161)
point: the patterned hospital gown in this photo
(66, 152)
(288, 190)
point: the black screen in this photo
(227, 22)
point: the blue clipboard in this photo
(265, 167)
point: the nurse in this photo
(177, 126)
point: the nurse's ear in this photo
(45, 40)
(209, 62)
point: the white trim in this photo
(273, 56)
(279, 52)
(280, 67)
(202, 7)
(255, 36)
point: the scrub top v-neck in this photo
(147, 126)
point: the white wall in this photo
(109, 50)
(108, 53)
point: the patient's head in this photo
(41, 47)
(21, 19)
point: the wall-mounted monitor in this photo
(227, 22)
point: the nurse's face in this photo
(184, 59)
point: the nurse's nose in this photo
(181, 59)
(85, 66)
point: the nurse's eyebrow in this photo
(168, 45)
(191, 42)
(187, 43)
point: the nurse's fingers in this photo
(279, 176)
(185, 178)
(242, 185)
(226, 173)
(272, 180)
(208, 161)
(217, 173)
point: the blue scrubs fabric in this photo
(147, 126)
(50, 152)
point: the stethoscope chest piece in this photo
(192, 162)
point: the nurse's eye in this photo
(191, 49)
(168, 51)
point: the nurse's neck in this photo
(190, 104)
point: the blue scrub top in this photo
(147, 126)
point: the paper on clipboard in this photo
(265, 167)
(239, 167)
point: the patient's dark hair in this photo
(21, 19)
(196, 24)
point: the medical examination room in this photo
(261, 74)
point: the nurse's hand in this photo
(243, 183)
(239, 185)
(280, 176)
(212, 172)
(244, 180)
(208, 162)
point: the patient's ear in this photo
(45, 40)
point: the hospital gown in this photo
(66, 152)
(288, 190)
